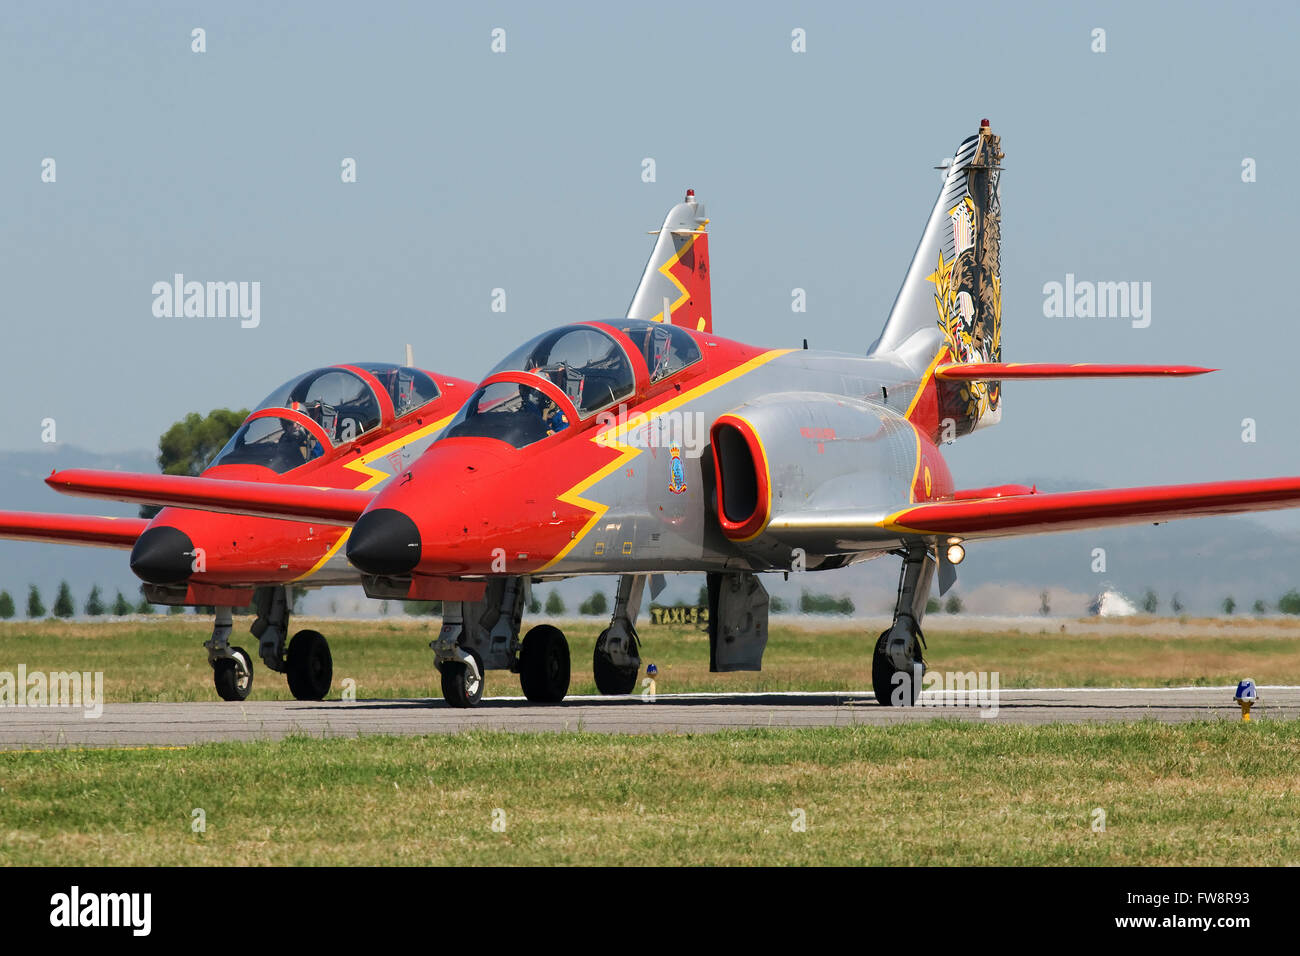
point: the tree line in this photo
(65, 605)
(1288, 603)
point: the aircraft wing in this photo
(71, 529)
(292, 502)
(1036, 513)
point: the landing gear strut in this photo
(478, 636)
(896, 664)
(616, 661)
(308, 663)
(232, 668)
(462, 681)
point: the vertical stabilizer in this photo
(676, 278)
(950, 305)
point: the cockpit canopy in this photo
(667, 349)
(409, 388)
(280, 444)
(585, 363)
(510, 412)
(344, 404)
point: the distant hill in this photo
(22, 478)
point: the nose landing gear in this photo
(233, 675)
(308, 663)
(462, 681)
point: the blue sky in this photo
(522, 171)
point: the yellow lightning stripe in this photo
(920, 388)
(373, 477)
(666, 270)
(613, 438)
(916, 472)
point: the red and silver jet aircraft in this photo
(635, 448)
(322, 441)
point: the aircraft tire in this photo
(311, 667)
(233, 678)
(610, 679)
(459, 686)
(544, 665)
(882, 676)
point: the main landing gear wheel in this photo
(888, 692)
(610, 678)
(460, 687)
(544, 665)
(311, 668)
(233, 675)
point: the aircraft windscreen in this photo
(509, 412)
(276, 443)
(409, 388)
(339, 401)
(667, 349)
(588, 365)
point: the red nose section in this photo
(467, 506)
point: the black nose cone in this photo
(385, 542)
(163, 556)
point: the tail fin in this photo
(675, 284)
(949, 309)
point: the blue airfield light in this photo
(1246, 695)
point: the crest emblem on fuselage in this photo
(676, 471)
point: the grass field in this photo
(939, 792)
(163, 659)
(936, 793)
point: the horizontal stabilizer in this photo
(1000, 372)
(291, 502)
(71, 529)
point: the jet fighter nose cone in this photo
(163, 556)
(384, 541)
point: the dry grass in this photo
(163, 659)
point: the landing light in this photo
(956, 553)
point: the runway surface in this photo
(159, 725)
